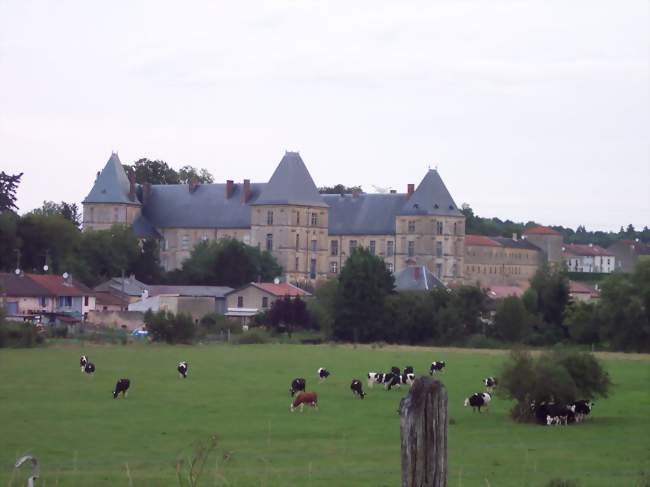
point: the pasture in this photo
(83, 436)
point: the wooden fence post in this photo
(423, 428)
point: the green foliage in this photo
(321, 307)
(558, 376)
(288, 313)
(252, 337)
(227, 262)
(340, 189)
(69, 211)
(159, 172)
(164, 326)
(581, 319)
(218, 323)
(19, 335)
(549, 290)
(188, 174)
(9, 241)
(8, 186)
(364, 283)
(512, 322)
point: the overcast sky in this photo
(531, 110)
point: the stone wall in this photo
(117, 319)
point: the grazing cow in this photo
(357, 389)
(323, 374)
(436, 367)
(89, 368)
(83, 361)
(121, 386)
(375, 378)
(309, 398)
(581, 409)
(182, 369)
(478, 401)
(490, 383)
(297, 385)
(557, 413)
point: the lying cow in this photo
(375, 378)
(182, 369)
(409, 369)
(89, 368)
(83, 361)
(297, 385)
(309, 398)
(357, 389)
(323, 374)
(121, 386)
(436, 367)
(478, 400)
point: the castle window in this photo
(297, 263)
(411, 225)
(314, 245)
(297, 218)
(438, 271)
(185, 242)
(269, 218)
(454, 270)
(334, 248)
(411, 248)
(438, 249)
(439, 228)
(389, 266)
(92, 214)
(314, 219)
(269, 242)
(312, 269)
(297, 241)
(353, 245)
(390, 248)
(334, 267)
(204, 237)
(372, 247)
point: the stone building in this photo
(548, 240)
(311, 235)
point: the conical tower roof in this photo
(291, 184)
(431, 198)
(112, 185)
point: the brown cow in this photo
(310, 398)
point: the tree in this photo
(581, 320)
(188, 174)
(339, 189)
(9, 242)
(164, 326)
(68, 211)
(159, 172)
(512, 321)
(549, 290)
(364, 283)
(8, 186)
(288, 313)
(321, 307)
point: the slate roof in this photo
(132, 287)
(112, 185)
(201, 291)
(279, 290)
(143, 228)
(291, 184)
(431, 198)
(365, 214)
(417, 278)
(173, 206)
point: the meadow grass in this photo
(240, 394)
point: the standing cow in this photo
(309, 398)
(490, 383)
(122, 386)
(323, 374)
(297, 385)
(83, 361)
(436, 367)
(182, 369)
(478, 400)
(89, 368)
(357, 389)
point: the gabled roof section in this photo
(480, 241)
(291, 184)
(541, 230)
(364, 214)
(586, 250)
(60, 286)
(431, 198)
(112, 185)
(278, 290)
(21, 285)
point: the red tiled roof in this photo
(21, 285)
(576, 287)
(579, 249)
(282, 289)
(501, 292)
(481, 240)
(58, 286)
(103, 298)
(540, 230)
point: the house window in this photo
(240, 301)
(269, 218)
(438, 271)
(297, 218)
(265, 302)
(455, 228)
(372, 247)
(390, 248)
(439, 228)
(314, 219)
(297, 241)
(411, 248)
(269, 242)
(314, 245)
(85, 300)
(438, 249)
(334, 267)
(65, 301)
(389, 266)
(334, 248)
(185, 242)
(353, 245)
(411, 226)
(312, 269)
(454, 270)
(42, 301)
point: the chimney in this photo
(410, 189)
(193, 185)
(393, 191)
(514, 236)
(132, 186)
(246, 195)
(230, 188)
(146, 192)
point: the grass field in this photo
(240, 393)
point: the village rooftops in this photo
(585, 250)
(541, 230)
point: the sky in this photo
(530, 110)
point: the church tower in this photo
(112, 200)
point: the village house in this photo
(588, 258)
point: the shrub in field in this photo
(252, 337)
(217, 323)
(560, 377)
(164, 326)
(19, 335)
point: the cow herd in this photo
(550, 414)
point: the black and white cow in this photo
(490, 383)
(297, 385)
(357, 389)
(582, 409)
(89, 368)
(375, 378)
(408, 378)
(182, 369)
(323, 374)
(478, 400)
(83, 361)
(392, 380)
(121, 386)
(549, 413)
(395, 370)
(436, 367)
(409, 369)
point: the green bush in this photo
(217, 323)
(252, 337)
(19, 335)
(481, 341)
(164, 326)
